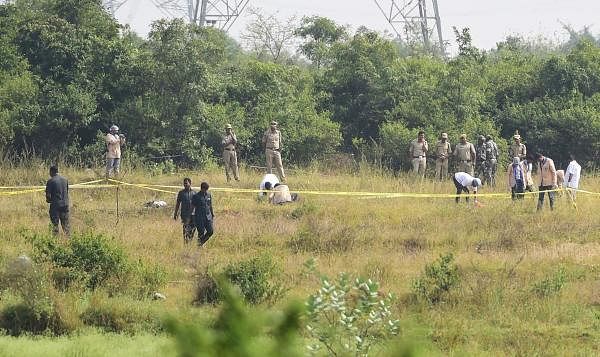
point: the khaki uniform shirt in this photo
(229, 141)
(464, 152)
(113, 144)
(518, 150)
(418, 149)
(272, 139)
(442, 150)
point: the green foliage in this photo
(437, 280)
(122, 315)
(348, 316)
(259, 279)
(238, 332)
(550, 285)
(92, 258)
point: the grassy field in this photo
(529, 281)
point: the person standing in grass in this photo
(516, 178)
(417, 150)
(57, 194)
(572, 176)
(465, 155)
(184, 201)
(442, 152)
(229, 155)
(463, 181)
(114, 140)
(548, 180)
(203, 213)
(272, 143)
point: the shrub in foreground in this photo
(437, 279)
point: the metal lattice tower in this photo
(415, 18)
(113, 5)
(217, 13)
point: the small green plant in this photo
(207, 290)
(303, 209)
(239, 332)
(348, 316)
(437, 279)
(258, 279)
(121, 315)
(550, 285)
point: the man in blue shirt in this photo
(184, 201)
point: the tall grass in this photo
(511, 298)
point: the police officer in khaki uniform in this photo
(418, 153)
(229, 154)
(464, 152)
(517, 148)
(442, 153)
(272, 143)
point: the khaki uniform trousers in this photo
(231, 165)
(441, 169)
(464, 166)
(419, 165)
(274, 158)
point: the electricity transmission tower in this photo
(217, 13)
(113, 5)
(415, 18)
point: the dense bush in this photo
(437, 280)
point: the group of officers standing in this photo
(480, 160)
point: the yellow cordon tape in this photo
(17, 190)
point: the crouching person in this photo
(280, 194)
(463, 181)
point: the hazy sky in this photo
(490, 20)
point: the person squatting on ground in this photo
(516, 178)
(480, 162)
(281, 194)
(184, 201)
(272, 143)
(464, 152)
(491, 161)
(203, 213)
(547, 172)
(114, 140)
(462, 182)
(229, 154)
(417, 150)
(57, 195)
(572, 176)
(442, 154)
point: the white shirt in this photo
(267, 178)
(280, 194)
(573, 169)
(465, 179)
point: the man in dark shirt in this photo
(57, 195)
(184, 201)
(203, 211)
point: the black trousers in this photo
(460, 189)
(205, 229)
(541, 197)
(59, 215)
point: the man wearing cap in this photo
(491, 160)
(418, 153)
(548, 180)
(480, 153)
(114, 140)
(229, 155)
(442, 153)
(462, 182)
(464, 152)
(272, 143)
(517, 148)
